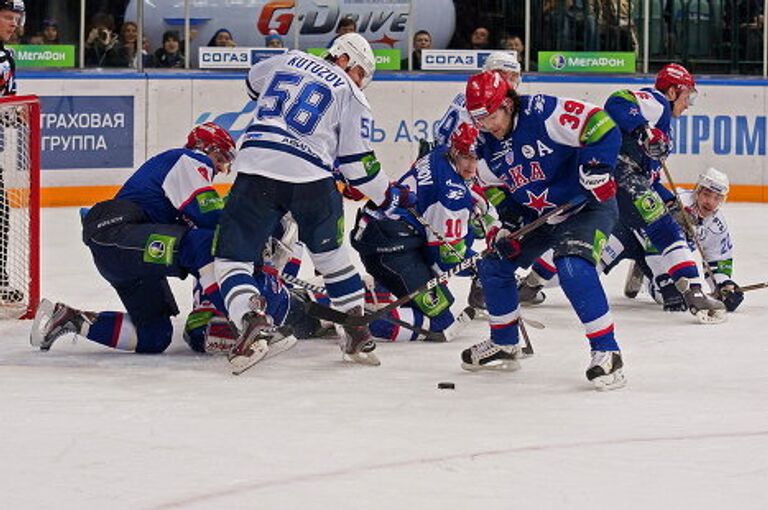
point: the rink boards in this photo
(98, 126)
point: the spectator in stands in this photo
(617, 25)
(101, 44)
(273, 40)
(170, 55)
(513, 43)
(51, 31)
(346, 25)
(146, 52)
(35, 39)
(222, 38)
(480, 38)
(128, 46)
(422, 40)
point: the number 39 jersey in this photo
(539, 160)
(309, 117)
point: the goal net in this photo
(19, 206)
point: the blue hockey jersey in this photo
(539, 159)
(176, 186)
(445, 201)
(631, 109)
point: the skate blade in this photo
(610, 382)
(511, 365)
(241, 363)
(279, 346)
(711, 316)
(363, 358)
(42, 318)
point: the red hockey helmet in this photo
(464, 138)
(209, 137)
(674, 75)
(485, 92)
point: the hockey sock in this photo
(385, 330)
(237, 286)
(342, 281)
(114, 329)
(500, 289)
(582, 287)
(668, 239)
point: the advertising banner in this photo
(234, 58)
(586, 62)
(87, 132)
(384, 23)
(455, 60)
(34, 55)
(388, 60)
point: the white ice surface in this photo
(83, 427)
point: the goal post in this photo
(19, 206)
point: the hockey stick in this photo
(321, 312)
(354, 320)
(528, 348)
(690, 227)
(754, 286)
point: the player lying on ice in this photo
(548, 151)
(710, 229)
(159, 225)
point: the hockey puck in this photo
(446, 386)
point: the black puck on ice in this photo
(446, 386)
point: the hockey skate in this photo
(455, 329)
(490, 356)
(257, 341)
(357, 344)
(529, 290)
(634, 281)
(606, 370)
(53, 321)
(703, 307)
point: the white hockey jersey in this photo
(309, 116)
(714, 237)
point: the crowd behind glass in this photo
(708, 36)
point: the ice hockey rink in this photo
(85, 427)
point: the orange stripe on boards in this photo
(71, 196)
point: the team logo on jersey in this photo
(539, 202)
(159, 249)
(543, 149)
(528, 151)
(509, 157)
(456, 191)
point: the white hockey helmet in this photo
(359, 52)
(14, 6)
(714, 180)
(504, 61)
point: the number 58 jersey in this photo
(309, 117)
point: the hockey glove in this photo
(505, 246)
(654, 142)
(398, 196)
(425, 147)
(598, 180)
(730, 295)
(673, 300)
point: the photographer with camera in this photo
(101, 46)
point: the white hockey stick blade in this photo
(711, 316)
(610, 382)
(42, 317)
(533, 323)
